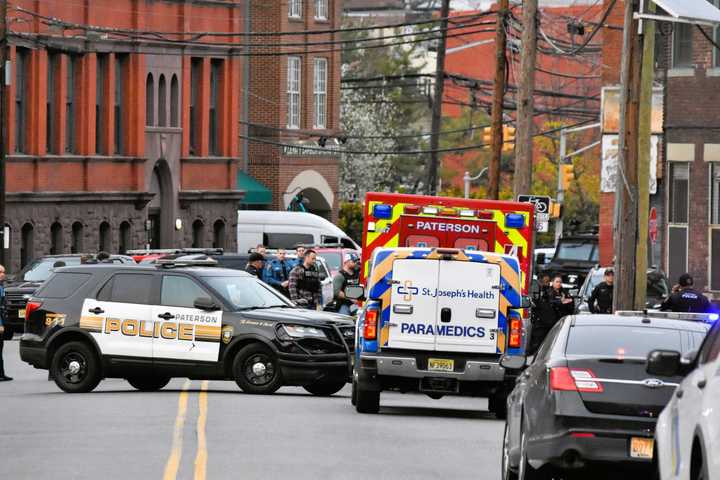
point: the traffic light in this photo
(555, 210)
(566, 175)
(487, 136)
(509, 139)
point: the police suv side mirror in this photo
(205, 303)
(665, 363)
(355, 292)
(513, 362)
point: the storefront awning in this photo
(255, 192)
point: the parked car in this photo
(286, 230)
(587, 401)
(21, 286)
(574, 257)
(334, 255)
(543, 256)
(688, 429)
(658, 288)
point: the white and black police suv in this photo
(180, 319)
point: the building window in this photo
(715, 193)
(162, 101)
(56, 239)
(682, 45)
(195, 79)
(77, 238)
(150, 100)
(70, 88)
(321, 9)
(174, 102)
(320, 93)
(714, 259)
(50, 111)
(678, 184)
(293, 92)
(100, 79)
(27, 247)
(198, 234)
(219, 234)
(22, 61)
(124, 237)
(215, 72)
(120, 64)
(295, 8)
(104, 237)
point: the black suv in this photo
(148, 324)
(20, 287)
(574, 257)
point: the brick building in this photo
(119, 137)
(294, 102)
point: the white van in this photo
(286, 229)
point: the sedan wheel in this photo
(507, 472)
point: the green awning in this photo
(255, 192)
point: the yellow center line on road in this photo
(201, 456)
(173, 463)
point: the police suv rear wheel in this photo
(325, 388)
(75, 368)
(256, 370)
(148, 384)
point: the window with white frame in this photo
(715, 226)
(320, 93)
(682, 50)
(293, 92)
(321, 9)
(715, 193)
(678, 203)
(295, 8)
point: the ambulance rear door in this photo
(413, 304)
(468, 299)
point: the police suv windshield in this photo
(245, 293)
(40, 270)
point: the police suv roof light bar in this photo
(208, 262)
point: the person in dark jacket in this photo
(685, 298)
(601, 299)
(277, 272)
(561, 301)
(304, 283)
(255, 265)
(3, 317)
(348, 275)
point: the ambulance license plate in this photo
(641, 447)
(21, 313)
(441, 365)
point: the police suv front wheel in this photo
(256, 370)
(75, 368)
(148, 384)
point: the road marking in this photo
(173, 463)
(201, 456)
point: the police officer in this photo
(561, 301)
(304, 283)
(255, 265)
(3, 317)
(348, 275)
(601, 299)
(685, 298)
(277, 272)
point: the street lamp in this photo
(467, 179)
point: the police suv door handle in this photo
(96, 310)
(166, 316)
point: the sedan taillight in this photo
(574, 380)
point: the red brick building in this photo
(125, 125)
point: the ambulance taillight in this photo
(515, 336)
(370, 326)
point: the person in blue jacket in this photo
(3, 313)
(278, 271)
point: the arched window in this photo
(104, 243)
(162, 102)
(149, 101)
(219, 234)
(77, 238)
(124, 237)
(198, 229)
(27, 248)
(174, 102)
(56, 239)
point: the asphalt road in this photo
(198, 430)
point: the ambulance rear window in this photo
(62, 285)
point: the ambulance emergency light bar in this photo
(385, 212)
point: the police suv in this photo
(148, 324)
(437, 321)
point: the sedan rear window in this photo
(622, 341)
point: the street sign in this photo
(542, 210)
(652, 225)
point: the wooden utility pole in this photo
(626, 189)
(497, 106)
(434, 165)
(3, 123)
(525, 112)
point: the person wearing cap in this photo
(277, 272)
(601, 299)
(685, 298)
(304, 283)
(348, 275)
(255, 265)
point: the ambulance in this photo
(447, 283)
